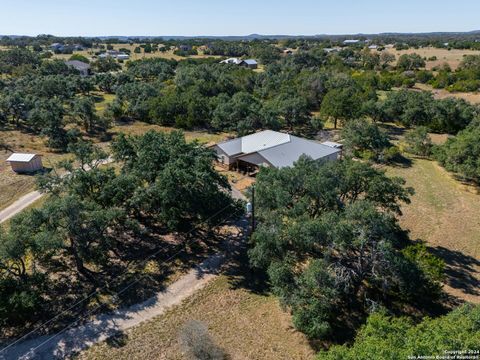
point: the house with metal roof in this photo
(82, 67)
(25, 163)
(272, 149)
(234, 61)
(249, 63)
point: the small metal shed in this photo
(25, 163)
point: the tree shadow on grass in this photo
(462, 271)
(392, 130)
(242, 276)
(401, 161)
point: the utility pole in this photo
(253, 208)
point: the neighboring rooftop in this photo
(79, 65)
(235, 61)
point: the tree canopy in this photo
(329, 241)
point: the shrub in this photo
(462, 153)
(391, 154)
(418, 141)
(20, 300)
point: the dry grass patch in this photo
(246, 325)
(139, 128)
(446, 214)
(452, 57)
(471, 97)
(238, 180)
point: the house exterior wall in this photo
(222, 157)
(27, 167)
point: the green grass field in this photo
(446, 214)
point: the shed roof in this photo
(21, 157)
(250, 62)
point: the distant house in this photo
(78, 47)
(80, 66)
(250, 63)
(57, 47)
(114, 54)
(351, 41)
(331, 50)
(123, 56)
(373, 47)
(271, 149)
(25, 163)
(184, 47)
(235, 61)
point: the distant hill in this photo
(274, 36)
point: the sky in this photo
(234, 17)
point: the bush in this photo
(465, 86)
(20, 300)
(418, 141)
(432, 267)
(391, 154)
(424, 76)
(197, 343)
(462, 153)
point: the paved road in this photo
(75, 339)
(19, 205)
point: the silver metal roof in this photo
(333, 144)
(285, 155)
(231, 147)
(279, 149)
(21, 157)
(77, 64)
(254, 142)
